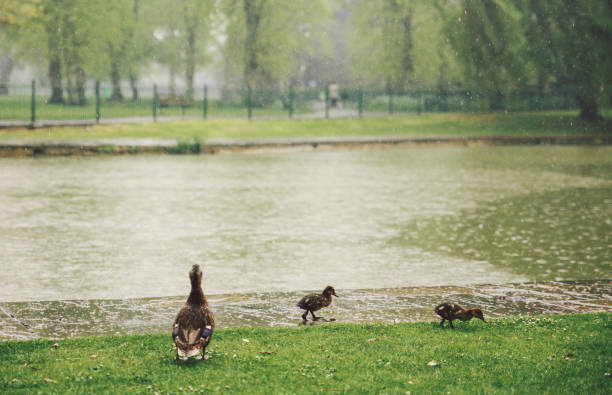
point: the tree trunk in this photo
(69, 87)
(6, 66)
(497, 101)
(172, 80)
(55, 77)
(115, 82)
(80, 86)
(133, 77)
(133, 86)
(407, 60)
(55, 41)
(190, 66)
(252, 28)
(588, 107)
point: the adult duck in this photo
(195, 323)
(314, 302)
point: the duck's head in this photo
(329, 290)
(195, 275)
(478, 314)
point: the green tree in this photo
(569, 43)
(183, 34)
(128, 44)
(267, 39)
(400, 43)
(487, 38)
(15, 17)
(70, 30)
(385, 41)
(197, 23)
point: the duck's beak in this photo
(336, 295)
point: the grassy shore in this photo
(537, 354)
(525, 124)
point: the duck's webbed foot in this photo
(442, 322)
(451, 324)
(315, 318)
(304, 316)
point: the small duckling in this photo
(452, 311)
(314, 302)
(195, 323)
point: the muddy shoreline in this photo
(127, 146)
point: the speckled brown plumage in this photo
(453, 311)
(195, 323)
(314, 302)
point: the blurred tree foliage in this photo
(489, 49)
(399, 44)
(266, 39)
(182, 33)
(505, 45)
(570, 43)
(487, 39)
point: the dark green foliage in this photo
(486, 37)
(569, 44)
(505, 45)
(186, 147)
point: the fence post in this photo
(97, 101)
(327, 101)
(33, 105)
(291, 102)
(390, 101)
(205, 102)
(155, 102)
(360, 102)
(249, 103)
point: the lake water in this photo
(114, 227)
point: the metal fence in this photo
(30, 105)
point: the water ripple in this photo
(69, 318)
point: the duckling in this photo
(314, 302)
(452, 311)
(195, 323)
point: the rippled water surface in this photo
(132, 226)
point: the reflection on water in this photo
(131, 227)
(58, 319)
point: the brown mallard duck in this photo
(314, 302)
(452, 311)
(195, 323)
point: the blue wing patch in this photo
(207, 331)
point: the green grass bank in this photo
(430, 124)
(534, 354)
